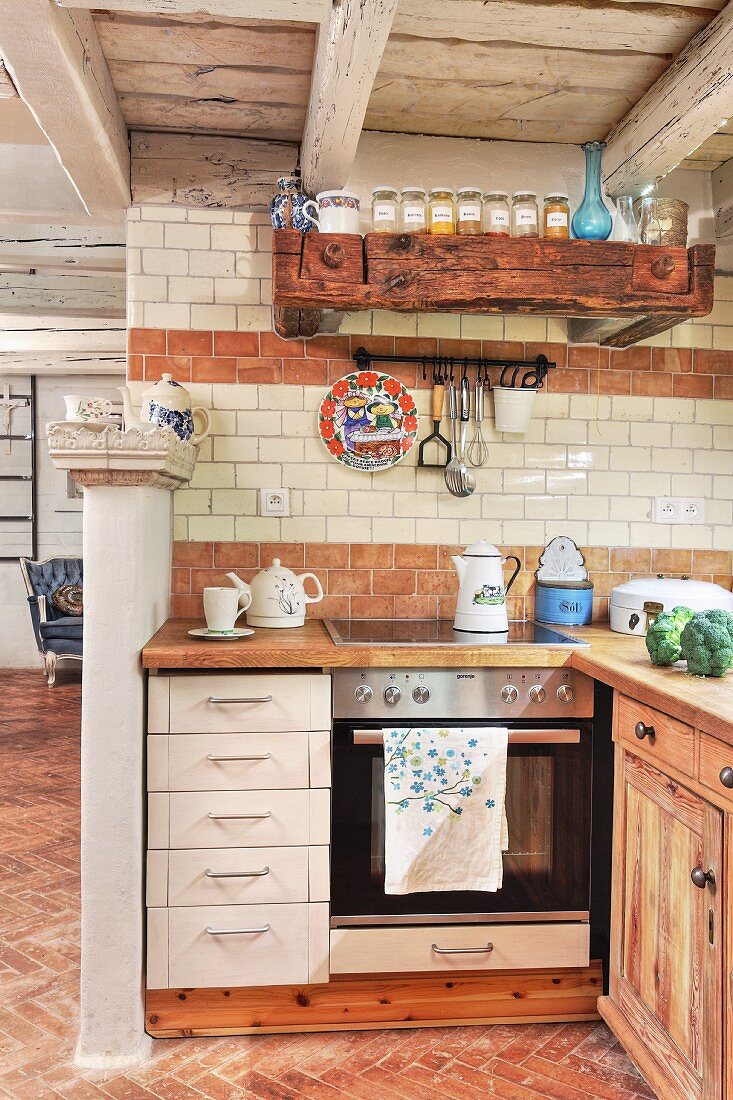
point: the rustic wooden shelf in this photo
(635, 290)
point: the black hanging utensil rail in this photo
(449, 368)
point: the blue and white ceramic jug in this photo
(286, 209)
(167, 405)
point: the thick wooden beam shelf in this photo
(644, 289)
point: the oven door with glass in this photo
(548, 807)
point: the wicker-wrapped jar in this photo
(672, 217)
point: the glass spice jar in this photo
(468, 222)
(384, 209)
(557, 216)
(441, 211)
(524, 214)
(413, 210)
(496, 213)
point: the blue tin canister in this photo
(564, 603)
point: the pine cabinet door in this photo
(667, 935)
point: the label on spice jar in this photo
(499, 218)
(383, 212)
(469, 212)
(441, 213)
(526, 217)
(558, 219)
(413, 215)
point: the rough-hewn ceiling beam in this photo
(296, 11)
(684, 107)
(101, 297)
(57, 65)
(351, 42)
(30, 246)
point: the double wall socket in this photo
(679, 510)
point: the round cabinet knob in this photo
(701, 878)
(537, 694)
(509, 694)
(392, 695)
(726, 777)
(420, 694)
(363, 693)
(565, 693)
(643, 731)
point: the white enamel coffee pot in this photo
(481, 606)
(278, 596)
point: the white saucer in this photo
(212, 636)
(97, 425)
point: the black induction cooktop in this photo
(432, 632)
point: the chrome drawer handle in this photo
(237, 874)
(216, 759)
(243, 699)
(238, 817)
(237, 931)
(463, 950)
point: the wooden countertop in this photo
(616, 659)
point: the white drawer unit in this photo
(238, 819)
(239, 703)
(238, 761)
(237, 876)
(206, 946)
(454, 947)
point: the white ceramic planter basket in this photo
(513, 409)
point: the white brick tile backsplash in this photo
(215, 264)
(253, 265)
(187, 236)
(166, 261)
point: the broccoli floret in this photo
(707, 643)
(663, 636)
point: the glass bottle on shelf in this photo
(524, 214)
(625, 228)
(413, 210)
(441, 211)
(384, 209)
(468, 222)
(650, 229)
(496, 219)
(557, 216)
(592, 220)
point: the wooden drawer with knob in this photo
(716, 768)
(649, 732)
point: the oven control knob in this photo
(421, 694)
(392, 695)
(509, 694)
(565, 693)
(363, 693)
(537, 694)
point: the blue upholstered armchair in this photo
(57, 634)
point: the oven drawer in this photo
(240, 703)
(238, 819)
(453, 947)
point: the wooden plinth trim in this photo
(641, 1053)
(358, 1004)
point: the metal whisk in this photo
(478, 450)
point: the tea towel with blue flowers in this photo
(445, 824)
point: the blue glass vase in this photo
(592, 220)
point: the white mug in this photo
(335, 212)
(221, 608)
(86, 408)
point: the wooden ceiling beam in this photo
(722, 181)
(7, 88)
(295, 11)
(681, 110)
(101, 297)
(349, 50)
(69, 248)
(56, 63)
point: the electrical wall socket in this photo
(274, 502)
(679, 510)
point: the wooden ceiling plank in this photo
(100, 297)
(281, 122)
(570, 132)
(58, 67)
(297, 11)
(210, 82)
(59, 363)
(678, 113)
(61, 247)
(351, 42)
(722, 182)
(7, 88)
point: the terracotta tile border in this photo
(264, 358)
(370, 580)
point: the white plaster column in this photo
(128, 479)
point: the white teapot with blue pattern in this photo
(167, 404)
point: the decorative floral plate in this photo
(368, 420)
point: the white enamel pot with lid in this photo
(277, 596)
(635, 604)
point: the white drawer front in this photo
(250, 702)
(228, 761)
(238, 819)
(403, 950)
(237, 876)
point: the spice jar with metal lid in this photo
(441, 211)
(468, 222)
(496, 213)
(414, 210)
(384, 209)
(525, 221)
(557, 216)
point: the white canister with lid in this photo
(635, 604)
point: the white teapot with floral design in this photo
(167, 404)
(278, 596)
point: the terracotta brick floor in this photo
(39, 960)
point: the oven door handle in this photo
(516, 737)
